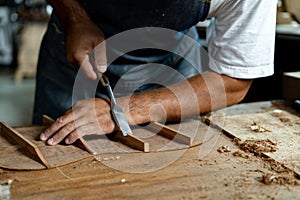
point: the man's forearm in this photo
(69, 11)
(197, 95)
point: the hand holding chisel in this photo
(116, 111)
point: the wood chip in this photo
(256, 127)
(269, 179)
(123, 180)
(224, 149)
(284, 119)
(241, 154)
(275, 166)
(257, 147)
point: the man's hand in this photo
(82, 39)
(87, 117)
(82, 36)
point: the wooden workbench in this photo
(214, 176)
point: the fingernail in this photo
(50, 141)
(43, 137)
(67, 141)
(102, 68)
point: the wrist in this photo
(141, 108)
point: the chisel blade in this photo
(117, 113)
(120, 120)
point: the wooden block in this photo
(22, 141)
(81, 142)
(170, 133)
(132, 141)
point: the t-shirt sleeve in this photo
(241, 38)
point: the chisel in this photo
(116, 111)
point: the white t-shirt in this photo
(241, 37)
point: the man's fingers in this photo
(62, 133)
(81, 131)
(88, 69)
(92, 61)
(57, 125)
(100, 57)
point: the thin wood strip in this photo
(24, 142)
(86, 146)
(132, 141)
(47, 120)
(170, 133)
(80, 142)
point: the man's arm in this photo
(199, 94)
(69, 12)
(82, 36)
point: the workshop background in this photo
(23, 23)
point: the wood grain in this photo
(218, 176)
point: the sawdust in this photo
(257, 147)
(101, 158)
(276, 166)
(269, 179)
(256, 127)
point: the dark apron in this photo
(126, 72)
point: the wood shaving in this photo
(224, 149)
(277, 113)
(257, 147)
(123, 180)
(269, 179)
(256, 127)
(241, 154)
(276, 166)
(253, 147)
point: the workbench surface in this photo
(218, 175)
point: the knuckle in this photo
(69, 127)
(81, 131)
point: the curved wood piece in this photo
(22, 141)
